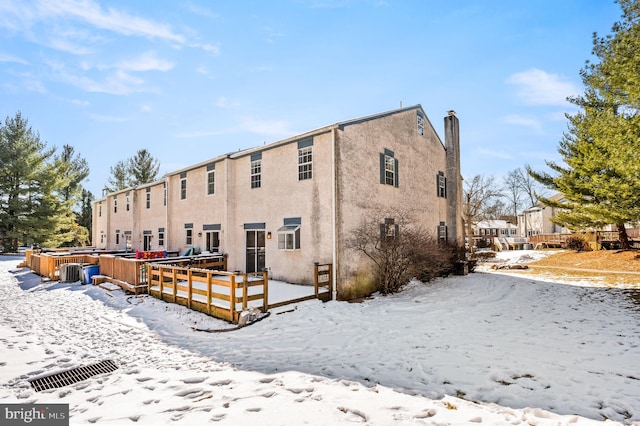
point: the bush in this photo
(577, 243)
(401, 251)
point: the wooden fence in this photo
(218, 293)
(323, 278)
(48, 264)
(132, 274)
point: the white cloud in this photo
(277, 128)
(145, 108)
(494, 153)
(223, 102)
(145, 62)
(537, 87)
(108, 118)
(519, 120)
(5, 57)
(111, 19)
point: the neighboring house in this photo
(500, 234)
(536, 220)
(291, 203)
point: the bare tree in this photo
(480, 193)
(400, 249)
(512, 191)
(529, 185)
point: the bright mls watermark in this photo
(34, 414)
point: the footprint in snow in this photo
(193, 380)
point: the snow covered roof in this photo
(495, 224)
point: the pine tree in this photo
(28, 205)
(118, 178)
(143, 168)
(71, 170)
(137, 170)
(600, 180)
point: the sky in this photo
(192, 80)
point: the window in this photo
(183, 186)
(442, 232)
(256, 170)
(148, 198)
(211, 180)
(115, 204)
(388, 168)
(117, 237)
(305, 159)
(389, 229)
(100, 209)
(441, 182)
(127, 199)
(189, 237)
(289, 234)
(101, 237)
(420, 124)
(164, 194)
(161, 237)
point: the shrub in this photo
(400, 251)
(577, 243)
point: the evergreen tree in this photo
(143, 168)
(118, 179)
(137, 170)
(601, 176)
(29, 207)
(71, 171)
(85, 217)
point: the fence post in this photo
(189, 292)
(209, 284)
(232, 299)
(175, 284)
(315, 277)
(265, 291)
(245, 289)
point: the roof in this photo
(495, 224)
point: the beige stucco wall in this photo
(281, 196)
(420, 158)
(358, 193)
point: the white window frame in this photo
(211, 182)
(389, 170)
(188, 234)
(305, 163)
(183, 188)
(256, 173)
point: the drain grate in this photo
(72, 376)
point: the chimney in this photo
(454, 178)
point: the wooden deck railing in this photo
(48, 264)
(218, 293)
(134, 271)
(323, 277)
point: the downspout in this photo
(334, 218)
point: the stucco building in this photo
(291, 203)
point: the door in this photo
(212, 241)
(255, 250)
(146, 242)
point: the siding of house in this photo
(359, 191)
(344, 188)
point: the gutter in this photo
(334, 219)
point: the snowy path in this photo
(484, 337)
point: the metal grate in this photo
(72, 376)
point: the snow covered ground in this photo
(487, 348)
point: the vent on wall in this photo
(75, 375)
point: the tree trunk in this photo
(623, 237)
